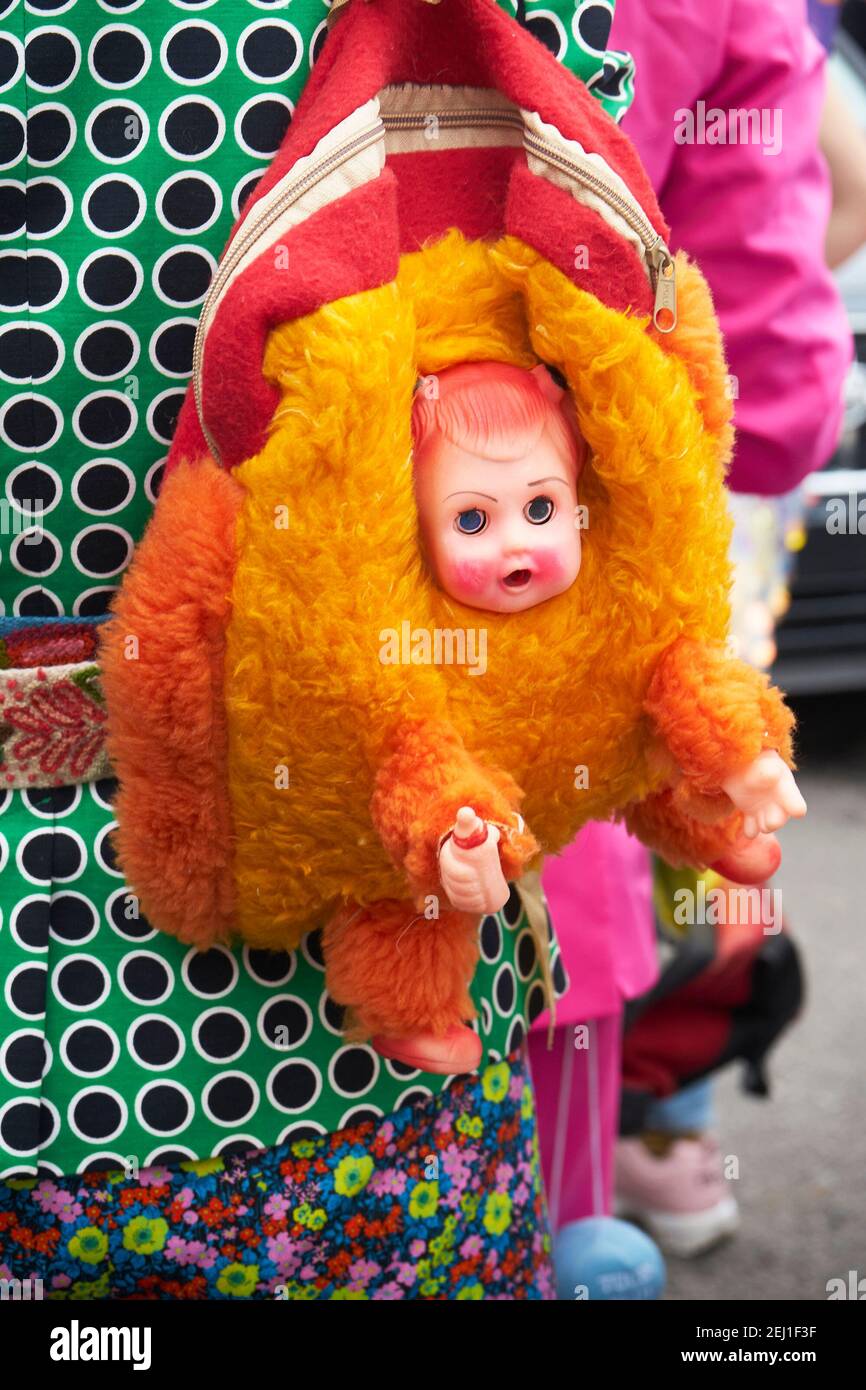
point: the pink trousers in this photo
(577, 1089)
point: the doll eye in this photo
(539, 510)
(471, 522)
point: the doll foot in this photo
(451, 1053)
(750, 861)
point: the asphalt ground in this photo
(802, 1153)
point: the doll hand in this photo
(472, 888)
(766, 794)
(750, 862)
(472, 875)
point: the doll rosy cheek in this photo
(550, 565)
(468, 576)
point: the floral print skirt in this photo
(438, 1200)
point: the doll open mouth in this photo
(517, 579)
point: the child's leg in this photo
(689, 1111)
(577, 1087)
(405, 977)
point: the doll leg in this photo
(405, 979)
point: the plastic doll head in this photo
(497, 458)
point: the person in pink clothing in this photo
(728, 101)
(599, 894)
(752, 213)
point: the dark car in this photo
(821, 642)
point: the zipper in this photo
(255, 226)
(450, 120)
(657, 255)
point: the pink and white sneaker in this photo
(677, 1191)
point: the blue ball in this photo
(602, 1257)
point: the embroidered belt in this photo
(52, 709)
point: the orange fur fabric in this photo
(663, 824)
(163, 658)
(426, 774)
(398, 971)
(290, 753)
(270, 646)
(715, 714)
(697, 342)
(563, 684)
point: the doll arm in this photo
(714, 714)
(163, 655)
(664, 825)
(727, 734)
(426, 777)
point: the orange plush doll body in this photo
(330, 644)
(497, 461)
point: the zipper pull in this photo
(665, 308)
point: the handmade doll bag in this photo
(446, 193)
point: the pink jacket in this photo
(755, 223)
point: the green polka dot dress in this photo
(131, 132)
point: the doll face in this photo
(501, 536)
